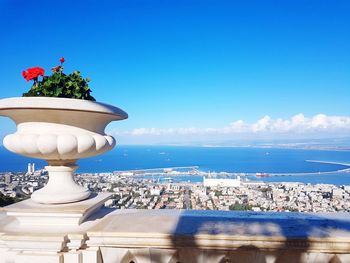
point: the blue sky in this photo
(190, 69)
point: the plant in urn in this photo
(59, 121)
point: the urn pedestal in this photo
(61, 175)
(60, 131)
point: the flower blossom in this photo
(33, 73)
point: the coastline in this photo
(226, 159)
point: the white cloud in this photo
(298, 124)
(262, 125)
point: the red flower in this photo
(62, 59)
(33, 73)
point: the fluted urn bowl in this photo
(60, 131)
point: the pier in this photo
(194, 170)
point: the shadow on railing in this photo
(257, 237)
(170, 236)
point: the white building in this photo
(222, 182)
(31, 168)
(8, 178)
(155, 191)
(126, 174)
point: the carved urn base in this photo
(61, 187)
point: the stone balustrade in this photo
(186, 236)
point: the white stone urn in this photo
(60, 131)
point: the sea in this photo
(209, 159)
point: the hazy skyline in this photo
(190, 70)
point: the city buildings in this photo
(144, 192)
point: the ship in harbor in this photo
(260, 175)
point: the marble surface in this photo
(29, 212)
(60, 131)
(180, 235)
(248, 224)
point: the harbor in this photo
(169, 173)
